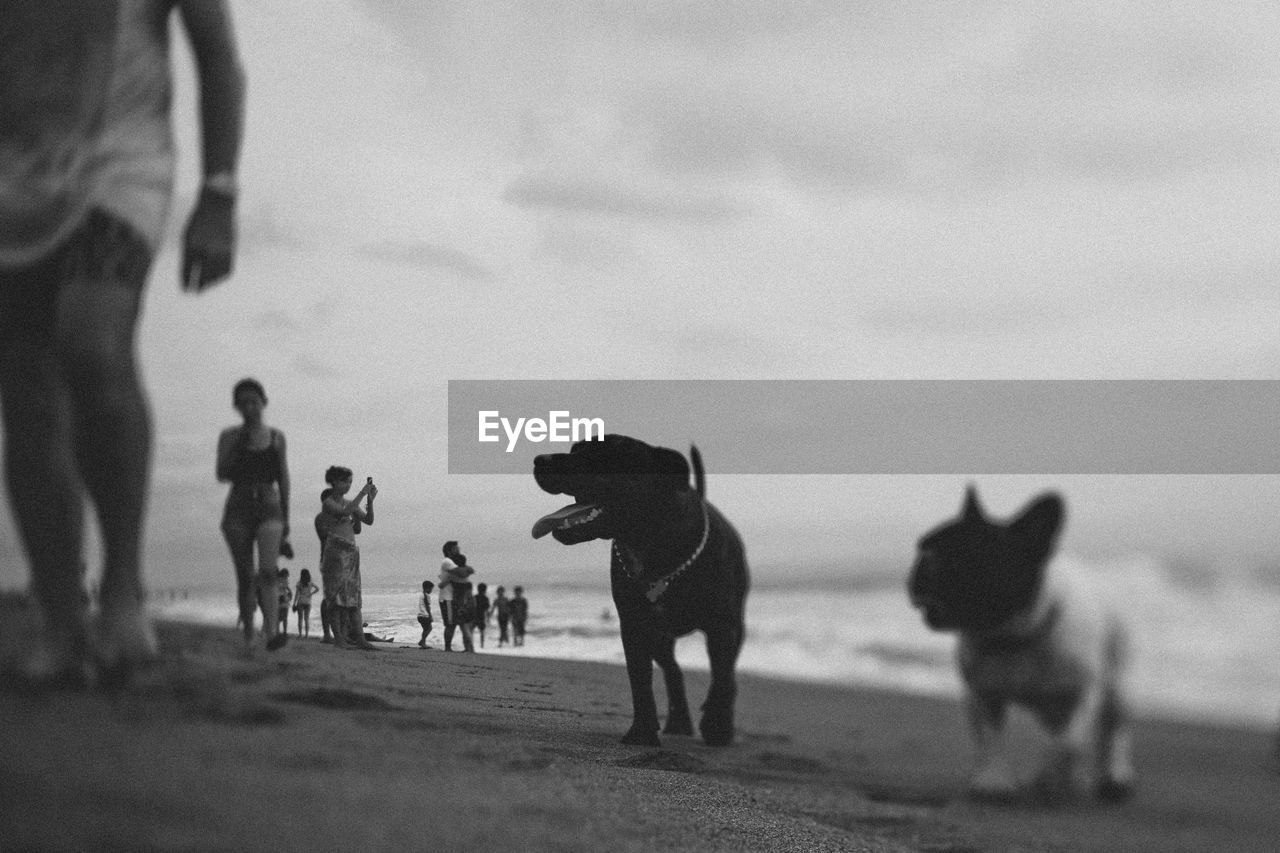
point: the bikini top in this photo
(259, 466)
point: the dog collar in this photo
(1011, 642)
(658, 587)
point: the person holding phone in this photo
(340, 562)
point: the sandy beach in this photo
(406, 748)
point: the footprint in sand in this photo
(662, 759)
(336, 699)
(791, 763)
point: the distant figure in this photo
(454, 591)
(256, 514)
(464, 603)
(86, 179)
(370, 637)
(340, 566)
(302, 602)
(324, 521)
(502, 607)
(482, 611)
(424, 612)
(286, 596)
(1275, 750)
(519, 615)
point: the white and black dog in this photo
(677, 566)
(1028, 635)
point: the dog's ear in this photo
(1037, 528)
(972, 509)
(670, 468)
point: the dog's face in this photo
(621, 488)
(972, 574)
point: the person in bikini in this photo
(256, 514)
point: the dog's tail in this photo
(699, 476)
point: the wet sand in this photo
(405, 749)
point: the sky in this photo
(678, 190)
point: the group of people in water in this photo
(467, 613)
(252, 457)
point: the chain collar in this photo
(658, 587)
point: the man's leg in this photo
(446, 615)
(40, 468)
(95, 323)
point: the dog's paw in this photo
(716, 728)
(637, 736)
(1064, 779)
(1113, 790)
(994, 783)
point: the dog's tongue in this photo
(562, 519)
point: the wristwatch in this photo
(222, 183)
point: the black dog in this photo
(677, 566)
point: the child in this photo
(519, 613)
(302, 602)
(502, 606)
(424, 612)
(482, 610)
(286, 596)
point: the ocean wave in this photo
(1204, 639)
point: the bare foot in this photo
(52, 664)
(124, 642)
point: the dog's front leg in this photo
(723, 644)
(678, 720)
(1115, 761)
(1068, 769)
(993, 774)
(637, 647)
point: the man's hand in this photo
(209, 243)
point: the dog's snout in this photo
(548, 473)
(920, 578)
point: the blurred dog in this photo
(1028, 637)
(677, 566)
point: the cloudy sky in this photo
(771, 190)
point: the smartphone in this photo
(369, 480)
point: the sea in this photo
(1205, 646)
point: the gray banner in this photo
(882, 426)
